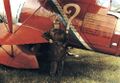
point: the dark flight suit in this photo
(57, 50)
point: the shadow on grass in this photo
(85, 66)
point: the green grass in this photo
(89, 67)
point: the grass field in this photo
(89, 67)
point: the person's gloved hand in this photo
(50, 41)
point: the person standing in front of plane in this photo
(57, 52)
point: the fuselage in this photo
(94, 29)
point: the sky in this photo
(115, 5)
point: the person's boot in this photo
(60, 68)
(53, 68)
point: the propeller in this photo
(64, 12)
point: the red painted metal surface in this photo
(98, 31)
(31, 32)
(25, 35)
(8, 14)
(39, 22)
(20, 59)
(86, 6)
(95, 27)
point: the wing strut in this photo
(9, 20)
(8, 14)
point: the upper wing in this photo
(28, 33)
(25, 35)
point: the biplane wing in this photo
(25, 35)
(12, 34)
(90, 26)
(30, 32)
(20, 60)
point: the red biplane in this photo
(24, 22)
